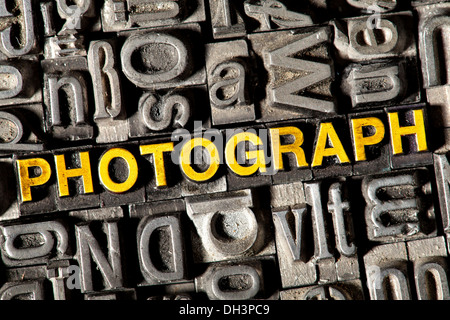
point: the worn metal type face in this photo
(224, 150)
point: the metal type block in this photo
(347, 290)
(163, 176)
(438, 98)
(75, 179)
(118, 15)
(39, 194)
(231, 280)
(175, 291)
(228, 81)
(416, 3)
(442, 174)
(434, 47)
(189, 188)
(22, 129)
(122, 294)
(77, 15)
(64, 46)
(408, 126)
(68, 118)
(366, 5)
(9, 206)
(17, 24)
(381, 83)
(332, 149)
(356, 39)
(299, 73)
(164, 58)
(246, 155)
(90, 249)
(429, 257)
(52, 278)
(110, 114)
(386, 272)
(284, 195)
(120, 172)
(371, 149)
(161, 249)
(58, 272)
(228, 226)
(156, 207)
(291, 151)
(100, 214)
(273, 14)
(23, 290)
(226, 20)
(303, 237)
(399, 206)
(34, 243)
(19, 85)
(161, 112)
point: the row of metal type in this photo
(220, 149)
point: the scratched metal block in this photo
(335, 158)
(434, 48)
(22, 129)
(246, 155)
(55, 279)
(18, 22)
(154, 189)
(416, 3)
(291, 150)
(98, 214)
(429, 258)
(371, 8)
(269, 15)
(164, 58)
(9, 206)
(162, 112)
(66, 99)
(23, 290)
(442, 174)
(399, 206)
(228, 226)
(122, 294)
(438, 98)
(42, 197)
(370, 136)
(284, 195)
(19, 81)
(118, 15)
(102, 249)
(65, 26)
(75, 179)
(161, 248)
(119, 171)
(305, 257)
(385, 262)
(34, 243)
(226, 19)
(61, 18)
(356, 39)
(298, 73)
(381, 83)
(110, 114)
(409, 142)
(228, 73)
(237, 280)
(347, 290)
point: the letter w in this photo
(316, 72)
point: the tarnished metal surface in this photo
(224, 150)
